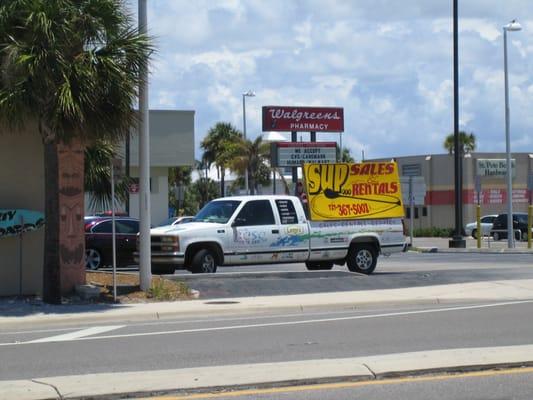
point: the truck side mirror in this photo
(239, 221)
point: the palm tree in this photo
(467, 141)
(97, 176)
(345, 155)
(179, 177)
(215, 146)
(71, 68)
(252, 158)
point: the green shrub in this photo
(433, 232)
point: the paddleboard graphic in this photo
(15, 221)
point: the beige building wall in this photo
(22, 183)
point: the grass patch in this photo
(129, 291)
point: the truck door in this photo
(254, 230)
(292, 243)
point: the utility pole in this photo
(145, 267)
(457, 240)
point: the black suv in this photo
(499, 226)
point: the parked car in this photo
(98, 241)
(486, 226)
(176, 220)
(499, 227)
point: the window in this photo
(424, 211)
(102, 227)
(287, 212)
(416, 212)
(487, 220)
(127, 227)
(256, 212)
(219, 211)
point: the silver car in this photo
(486, 225)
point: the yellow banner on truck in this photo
(353, 191)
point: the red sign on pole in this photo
(306, 119)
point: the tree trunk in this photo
(222, 184)
(51, 276)
(64, 261)
(251, 182)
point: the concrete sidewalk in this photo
(505, 290)
(143, 383)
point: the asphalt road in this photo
(185, 343)
(489, 385)
(397, 271)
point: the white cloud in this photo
(388, 63)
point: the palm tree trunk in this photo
(51, 276)
(222, 184)
(251, 180)
(64, 266)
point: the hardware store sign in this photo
(495, 168)
(353, 191)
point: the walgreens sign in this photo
(307, 119)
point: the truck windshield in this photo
(217, 211)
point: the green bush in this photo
(433, 232)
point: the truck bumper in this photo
(176, 259)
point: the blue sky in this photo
(388, 63)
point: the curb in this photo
(471, 250)
(507, 290)
(267, 375)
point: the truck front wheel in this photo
(362, 258)
(204, 261)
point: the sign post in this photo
(529, 209)
(478, 210)
(414, 196)
(116, 170)
(411, 211)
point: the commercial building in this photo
(437, 171)
(22, 183)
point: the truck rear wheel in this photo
(362, 258)
(318, 265)
(204, 262)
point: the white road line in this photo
(77, 334)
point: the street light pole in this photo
(249, 93)
(513, 26)
(457, 240)
(145, 268)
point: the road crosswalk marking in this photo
(77, 334)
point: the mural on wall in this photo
(14, 222)
(71, 210)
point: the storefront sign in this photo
(353, 191)
(494, 168)
(14, 222)
(306, 119)
(285, 154)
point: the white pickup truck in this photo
(271, 229)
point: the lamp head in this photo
(513, 26)
(249, 93)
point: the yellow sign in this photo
(353, 191)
